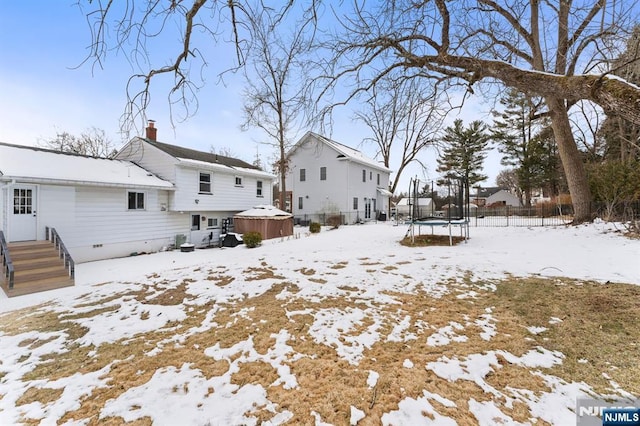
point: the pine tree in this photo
(464, 152)
(515, 130)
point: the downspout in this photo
(5, 218)
(348, 186)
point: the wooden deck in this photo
(37, 268)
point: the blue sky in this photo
(45, 89)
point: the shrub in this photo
(314, 227)
(252, 239)
(334, 221)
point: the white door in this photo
(23, 213)
(367, 208)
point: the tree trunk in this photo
(571, 160)
(282, 166)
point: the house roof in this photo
(422, 201)
(487, 192)
(207, 157)
(201, 159)
(343, 151)
(38, 165)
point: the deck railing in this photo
(53, 236)
(7, 264)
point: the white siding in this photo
(56, 209)
(94, 222)
(208, 235)
(225, 195)
(343, 182)
(149, 157)
(324, 196)
(3, 207)
(504, 196)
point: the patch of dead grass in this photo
(172, 296)
(263, 273)
(430, 240)
(221, 280)
(339, 265)
(42, 395)
(599, 324)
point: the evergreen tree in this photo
(615, 183)
(552, 178)
(464, 151)
(515, 130)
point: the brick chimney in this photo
(151, 131)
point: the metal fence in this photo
(342, 218)
(542, 214)
(521, 216)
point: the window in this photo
(303, 175)
(205, 183)
(364, 175)
(355, 203)
(195, 222)
(323, 173)
(135, 200)
(259, 189)
(238, 181)
(212, 222)
(370, 175)
(378, 179)
(22, 201)
(300, 203)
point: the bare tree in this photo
(224, 151)
(405, 118)
(587, 121)
(274, 75)
(135, 28)
(621, 137)
(534, 46)
(93, 142)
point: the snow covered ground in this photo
(114, 301)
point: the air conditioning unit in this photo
(180, 239)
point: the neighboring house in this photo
(209, 188)
(493, 197)
(326, 178)
(101, 208)
(425, 207)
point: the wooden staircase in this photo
(38, 267)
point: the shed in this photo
(269, 221)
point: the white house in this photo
(101, 208)
(494, 197)
(425, 207)
(327, 178)
(151, 196)
(209, 188)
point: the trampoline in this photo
(451, 216)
